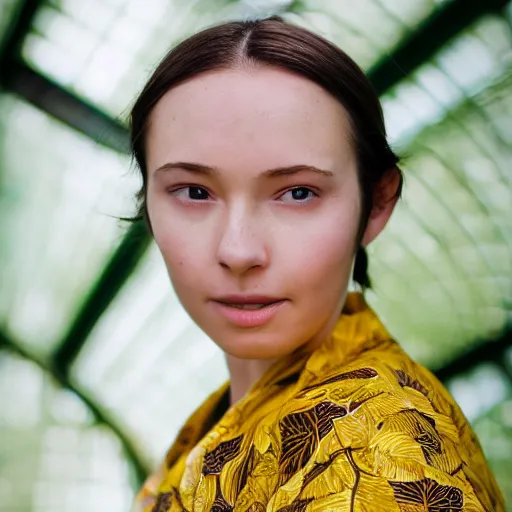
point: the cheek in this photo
(180, 258)
(181, 252)
(322, 252)
(183, 265)
(327, 264)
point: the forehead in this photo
(261, 113)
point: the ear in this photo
(385, 197)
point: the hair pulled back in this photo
(273, 42)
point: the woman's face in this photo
(254, 203)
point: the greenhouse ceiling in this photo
(94, 345)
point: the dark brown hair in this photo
(272, 42)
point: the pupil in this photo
(197, 193)
(300, 193)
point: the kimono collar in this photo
(357, 329)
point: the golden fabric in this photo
(355, 425)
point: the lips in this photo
(248, 307)
(248, 311)
(259, 300)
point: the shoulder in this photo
(387, 425)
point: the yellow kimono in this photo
(354, 426)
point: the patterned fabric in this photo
(355, 425)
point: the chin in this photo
(257, 348)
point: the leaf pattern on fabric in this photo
(163, 502)
(361, 373)
(428, 495)
(215, 460)
(318, 469)
(413, 429)
(220, 504)
(326, 412)
(301, 432)
(257, 507)
(297, 506)
(247, 467)
(430, 444)
(406, 381)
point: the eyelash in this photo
(175, 191)
(304, 201)
(189, 187)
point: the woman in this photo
(266, 171)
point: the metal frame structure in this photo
(16, 76)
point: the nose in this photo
(242, 246)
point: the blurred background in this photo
(94, 346)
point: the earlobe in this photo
(385, 197)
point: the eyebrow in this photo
(208, 170)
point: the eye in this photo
(191, 193)
(298, 195)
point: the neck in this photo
(244, 373)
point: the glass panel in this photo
(104, 50)
(447, 81)
(60, 195)
(52, 456)
(147, 363)
(367, 30)
(447, 251)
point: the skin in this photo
(239, 228)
